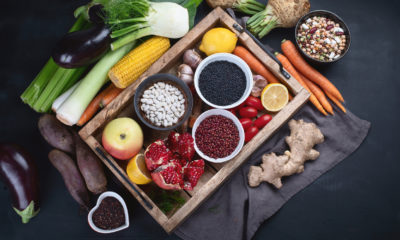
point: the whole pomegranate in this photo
(171, 163)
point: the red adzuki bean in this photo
(217, 136)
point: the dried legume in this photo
(217, 136)
(222, 83)
(321, 38)
(163, 104)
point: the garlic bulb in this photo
(192, 58)
(185, 73)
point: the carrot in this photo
(337, 102)
(93, 106)
(302, 66)
(110, 95)
(255, 64)
(289, 67)
(319, 94)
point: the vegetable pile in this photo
(118, 40)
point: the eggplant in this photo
(18, 171)
(82, 48)
(96, 14)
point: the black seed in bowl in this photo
(222, 83)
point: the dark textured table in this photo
(358, 199)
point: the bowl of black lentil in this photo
(322, 37)
(218, 135)
(223, 80)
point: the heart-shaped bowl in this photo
(101, 197)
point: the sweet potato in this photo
(90, 167)
(72, 178)
(55, 133)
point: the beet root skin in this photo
(72, 178)
(90, 167)
(56, 134)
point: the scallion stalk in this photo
(72, 108)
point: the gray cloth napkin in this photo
(235, 211)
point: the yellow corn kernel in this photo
(136, 62)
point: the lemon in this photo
(137, 170)
(218, 40)
(274, 97)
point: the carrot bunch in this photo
(319, 86)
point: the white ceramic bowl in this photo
(101, 197)
(229, 115)
(229, 58)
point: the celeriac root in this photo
(301, 141)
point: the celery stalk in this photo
(73, 107)
(34, 91)
(39, 83)
(67, 80)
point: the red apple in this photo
(122, 138)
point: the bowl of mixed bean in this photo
(322, 36)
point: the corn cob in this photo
(130, 67)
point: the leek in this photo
(61, 99)
(73, 107)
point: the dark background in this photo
(358, 199)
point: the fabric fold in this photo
(235, 211)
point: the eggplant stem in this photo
(28, 213)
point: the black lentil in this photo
(222, 83)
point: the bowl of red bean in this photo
(218, 135)
(322, 36)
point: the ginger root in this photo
(303, 137)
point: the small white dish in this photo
(235, 120)
(101, 197)
(229, 58)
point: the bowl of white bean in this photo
(163, 102)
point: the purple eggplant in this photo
(81, 48)
(18, 171)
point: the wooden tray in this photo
(215, 174)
